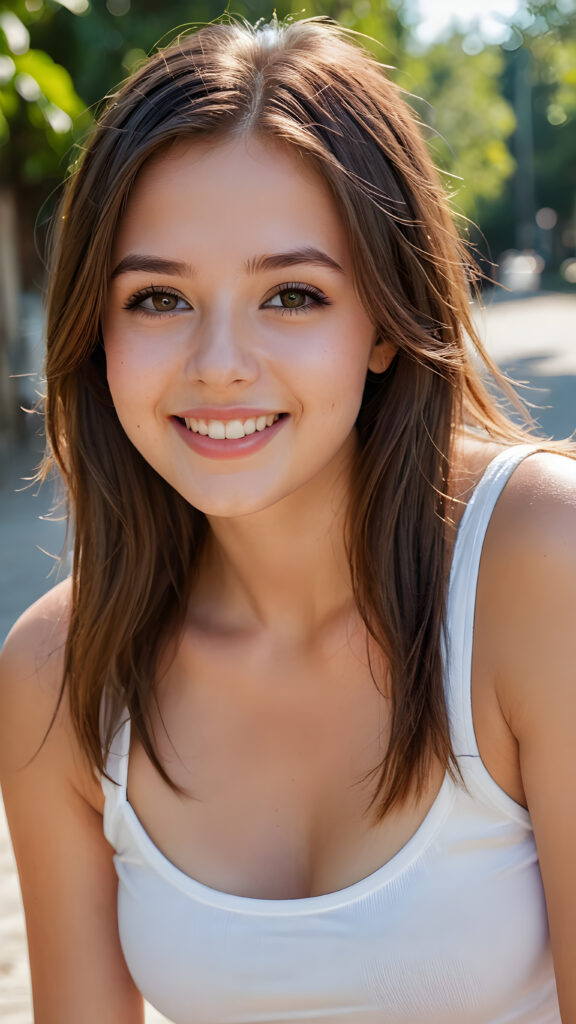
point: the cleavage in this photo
(277, 808)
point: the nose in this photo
(222, 356)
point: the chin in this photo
(231, 506)
(236, 503)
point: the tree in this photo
(469, 121)
(38, 105)
(539, 78)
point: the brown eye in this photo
(164, 303)
(152, 301)
(292, 299)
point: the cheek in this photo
(119, 355)
(342, 375)
(143, 362)
(134, 366)
(120, 376)
(132, 387)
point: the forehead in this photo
(240, 194)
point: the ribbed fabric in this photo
(452, 930)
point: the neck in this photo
(283, 569)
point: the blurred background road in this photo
(494, 86)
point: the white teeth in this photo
(217, 430)
(232, 429)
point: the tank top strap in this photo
(114, 787)
(462, 595)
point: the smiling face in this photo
(236, 346)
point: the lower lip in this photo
(228, 448)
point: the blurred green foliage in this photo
(472, 121)
(59, 57)
(39, 106)
(543, 42)
(554, 82)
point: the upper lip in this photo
(206, 412)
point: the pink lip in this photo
(228, 448)
(212, 412)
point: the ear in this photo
(382, 354)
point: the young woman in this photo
(296, 740)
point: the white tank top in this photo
(452, 930)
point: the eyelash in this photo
(135, 300)
(318, 297)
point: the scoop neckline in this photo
(411, 851)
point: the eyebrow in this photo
(135, 261)
(179, 268)
(315, 257)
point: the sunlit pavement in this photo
(532, 338)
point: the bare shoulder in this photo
(34, 721)
(54, 805)
(539, 495)
(41, 630)
(529, 586)
(31, 660)
(532, 535)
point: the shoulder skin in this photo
(67, 876)
(530, 597)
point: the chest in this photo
(279, 756)
(278, 751)
(452, 929)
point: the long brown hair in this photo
(137, 542)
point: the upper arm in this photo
(65, 864)
(534, 627)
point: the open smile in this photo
(230, 429)
(231, 438)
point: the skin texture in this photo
(229, 341)
(272, 640)
(230, 345)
